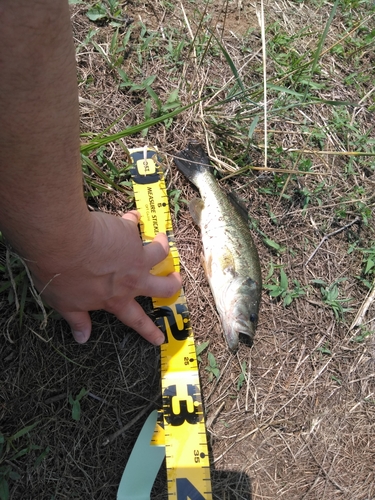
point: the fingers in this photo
(162, 286)
(157, 250)
(80, 323)
(133, 216)
(135, 317)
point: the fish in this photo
(230, 257)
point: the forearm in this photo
(42, 208)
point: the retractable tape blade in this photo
(187, 460)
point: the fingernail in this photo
(159, 340)
(80, 337)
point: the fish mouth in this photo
(239, 329)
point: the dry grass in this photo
(301, 426)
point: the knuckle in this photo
(171, 288)
(140, 323)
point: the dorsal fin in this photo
(239, 206)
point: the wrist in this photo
(50, 247)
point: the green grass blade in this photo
(102, 175)
(23, 431)
(234, 70)
(98, 141)
(321, 43)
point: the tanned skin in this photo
(80, 261)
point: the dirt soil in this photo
(301, 424)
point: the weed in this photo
(117, 176)
(274, 245)
(20, 290)
(280, 288)
(200, 348)
(101, 182)
(110, 11)
(102, 139)
(362, 335)
(76, 405)
(324, 349)
(277, 186)
(116, 50)
(368, 262)
(330, 297)
(171, 104)
(336, 379)
(175, 200)
(212, 368)
(12, 448)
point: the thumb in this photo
(80, 323)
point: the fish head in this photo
(239, 311)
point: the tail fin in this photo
(192, 161)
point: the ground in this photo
(292, 416)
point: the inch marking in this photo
(187, 457)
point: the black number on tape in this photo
(183, 415)
(170, 315)
(186, 490)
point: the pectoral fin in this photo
(206, 265)
(196, 206)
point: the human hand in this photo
(112, 269)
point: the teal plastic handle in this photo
(143, 464)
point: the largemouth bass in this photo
(231, 259)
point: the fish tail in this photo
(192, 161)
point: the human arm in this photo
(80, 261)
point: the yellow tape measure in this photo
(188, 467)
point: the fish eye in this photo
(253, 317)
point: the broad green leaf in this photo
(173, 97)
(276, 292)
(14, 475)
(333, 293)
(81, 394)
(4, 489)
(149, 81)
(124, 76)
(154, 96)
(201, 347)
(274, 245)
(370, 265)
(76, 410)
(319, 282)
(283, 280)
(211, 360)
(97, 12)
(288, 300)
